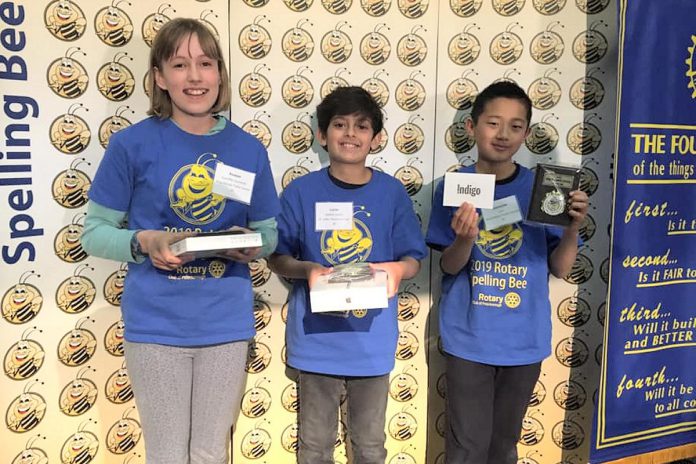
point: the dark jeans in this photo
(485, 407)
(320, 397)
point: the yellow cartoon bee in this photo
(376, 7)
(462, 91)
(77, 346)
(465, 8)
(256, 401)
(588, 92)
(584, 138)
(290, 398)
(71, 186)
(413, 9)
(113, 338)
(592, 7)
(572, 352)
(570, 395)
(154, 22)
(567, 434)
(76, 293)
(123, 435)
(254, 40)
(532, 430)
(377, 88)
(254, 88)
(297, 135)
(403, 387)
(26, 411)
(410, 94)
(262, 313)
(258, 357)
(112, 24)
(590, 46)
(334, 82)
(457, 137)
(295, 171)
(412, 49)
(259, 129)
(30, 454)
(409, 138)
(545, 92)
(402, 426)
(464, 48)
(65, 20)
(547, 47)
(194, 198)
(69, 133)
(410, 177)
(256, 442)
(506, 47)
(500, 243)
(543, 137)
(408, 304)
(113, 124)
(297, 90)
(383, 141)
(297, 43)
(374, 47)
(115, 80)
(298, 5)
(336, 45)
(79, 395)
(22, 302)
(114, 285)
(289, 438)
(80, 448)
(406, 344)
(259, 271)
(508, 7)
(118, 386)
(66, 76)
(538, 395)
(348, 246)
(24, 358)
(549, 7)
(67, 242)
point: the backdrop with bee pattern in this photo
(73, 73)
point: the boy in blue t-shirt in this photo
(351, 352)
(495, 315)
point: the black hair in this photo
(501, 89)
(344, 101)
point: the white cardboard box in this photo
(211, 244)
(369, 293)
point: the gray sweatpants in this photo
(187, 398)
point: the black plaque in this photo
(549, 201)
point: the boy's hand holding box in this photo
(348, 287)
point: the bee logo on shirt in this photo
(154, 22)
(78, 345)
(297, 136)
(410, 177)
(79, 395)
(403, 387)
(592, 6)
(115, 80)
(409, 137)
(548, 7)
(124, 434)
(255, 88)
(70, 187)
(500, 243)
(113, 26)
(581, 271)
(258, 356)
(410, 94)
(591, 45)
(113, 338)
(348, 246)
(506, 47)
(66, 76)
(289, 438)
(572, 352)
(465, 8)
(538, 395)
(259, 129)
(406, 344)
(289, 398)
(457, 137)
(255, 40)
(567, 434)
(413, 9)
(191, 192)
(464, 48)
(375, 47)
(297, 43)
(80, 447)
(508, 7)
(408, 304)
(260, 272)
(67, 244)
(256, 442)
(297, 90)
(587, 92)
(296, 171)
(336, 46)
(262, 312)
(65, 20)
(114, 285)
(411, 48)
(70, 133)
(377, 88)
(532, 429)
(547, 47)
(31, 454)
(118, 386)
(402, 426)
(22, 302)
(24, 358)
(462, 91)
(574, 311)
(76, 293)
(26, 411)
(113, 124)
(256, 401)
(569, 395)
(545, 92)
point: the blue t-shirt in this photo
(496, 310)
(162, 177)
(385, 228)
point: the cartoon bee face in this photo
(604, 269)
(378, 89)
(413, 9)
(297, 137)
(256, 402)
(115, 80)
(410, 177)
(567, 435)
(408, 305)
(402, 458)
(546, 47)
(545, 93)
(508, 7)
(259, 129)
(113, 338)
(574, 311)
(289, 438)
(70, 133)
(502, 242)
(191, 192)
(31, 456)
(528, 458)
(411, 50)
(79, 448)
(464, 48)
(71, 186)
(506, 48)
(297, 43)
(113, 124)
(584, 138)
(374, 47)
(458, 139)
(465, 8)
(538, 395)
(23, 359)
(569, 395)
(154, 22)
(25, 412)
(258, 357)
(290, 398)
(78, 397)
(549, 7)
(75, 294)
(532, 431)
(406, 345)
(297, 91)
(375, 8)
(113, 26)
(255, 443)
(67, 244)
(336, 46)
(586, 93)
(383, 141)
(592, 6)
(254, 40)
(410, 95)
(65, 20)
(22, 302)
(118, 387)
(403, 387)
(77, 347)
(402, 426)
(542, 138)
(409, 138)
(572, 352)
(66, 76)
(295, 172)
(114, 285)
(260, 272)
(255, 89)
(123, 436)
(461, 93)
(298, 5)
(590, 46)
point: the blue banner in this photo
(647, 391)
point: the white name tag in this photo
(235, 184)
(505, 211)
(477, 189)
(334, 215)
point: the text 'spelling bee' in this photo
(79, 395)
(78, 345)
(413, 9)
(464, 48)
(124, 434)
(254, 88)
(256, 401)
(411, 48)
(465, 8)
(259, 129)
(66, 76)
(547, 47)
(256, 442)
(26, 411)
(402, 426)
(31, 454)
(76, 293)
(545, 92)
(410, 94)
(22, 302)
(67, 243)
(508, 7)
(112, 25)
(549, 7)
(374, 47)
(297, 43)
(80, 447)
(115, 80)
(297, 135)
(375, 8)
(410, 177)
(113, 124)
(588, 92)
(24, 358)
(254, 39)
(154, 22)
(462, 91)
(297, 90)
(506, 47)
(296, 171)
(118, 387)
(377, 88)
(543, 137)
(71, 186)
(65, 20)
(336, 46)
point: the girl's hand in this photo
(155, 244)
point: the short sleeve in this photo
(113, 182)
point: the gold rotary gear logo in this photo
(216, 268)
(691, 63)
(191, 194)
(512, 300)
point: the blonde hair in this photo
(166, 43)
